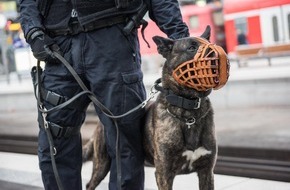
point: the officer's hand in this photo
(42, 46)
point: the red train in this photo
(197, 18)
(264, 22)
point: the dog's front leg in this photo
(206, 179)
(164, 178)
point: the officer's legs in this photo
(116, 78)
(68, 147)
(68, 161)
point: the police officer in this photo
(89, 34)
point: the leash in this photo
(43, 111)
(93, 98)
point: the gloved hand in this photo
(42, 46)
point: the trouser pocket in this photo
(133, 95)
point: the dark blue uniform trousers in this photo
(109, 64)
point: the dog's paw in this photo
(192, 156)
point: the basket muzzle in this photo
(208, 69)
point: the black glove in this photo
(43, 46)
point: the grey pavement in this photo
(21, 171)
(259, 127)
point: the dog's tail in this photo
(88, 150)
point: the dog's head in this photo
(177, 73)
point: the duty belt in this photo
(75, 27)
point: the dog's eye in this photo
(191, 48)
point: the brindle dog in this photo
(179, 138)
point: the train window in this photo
(218, 18)
(275, 28)
(194, 22)
(241, 24)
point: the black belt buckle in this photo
(53, 98)
(59, 131)
(56, 130)
(75, 28)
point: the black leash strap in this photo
(43, 111)
(53, 152)
(105, 110)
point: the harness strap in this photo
(56, 99)
(51, 97)
(59, 102)
(59, 131)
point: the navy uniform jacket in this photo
(165, 13)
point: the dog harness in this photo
(208, 69)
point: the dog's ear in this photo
(164, 45)
(206, 33)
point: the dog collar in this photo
(176, 100)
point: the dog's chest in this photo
(191, 137)
(191, 156)
(189, 132)
(182, 138)
(186, 126)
